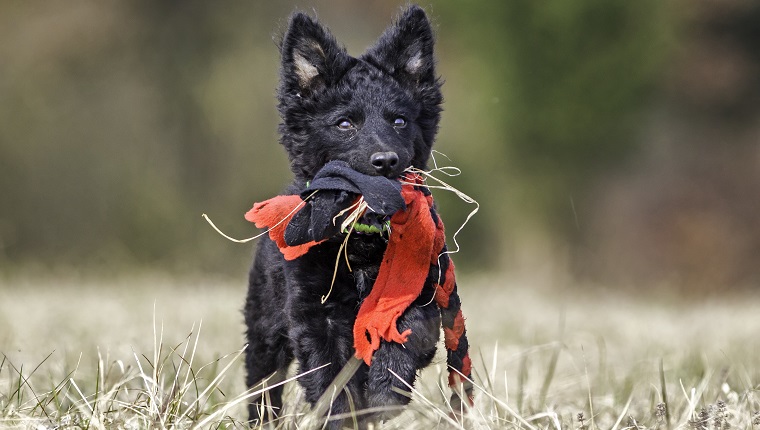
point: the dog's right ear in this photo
(311, 58)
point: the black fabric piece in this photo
(383, 195)
(337, 186)
(314, 221)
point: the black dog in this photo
(378, 113)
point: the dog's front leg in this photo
(394, 366)
(321, 334)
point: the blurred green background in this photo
(617, 142)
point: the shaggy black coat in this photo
(379, 113)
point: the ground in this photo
(545, 357)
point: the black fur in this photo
(337, 107)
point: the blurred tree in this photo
(131, 119)
(554, 94)
(582, 73)
(686, 216)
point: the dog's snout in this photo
(384, 162)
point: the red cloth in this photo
(275, 214)
(402, 275)
(452, 335)
(442, 292)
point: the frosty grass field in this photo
(154, 352)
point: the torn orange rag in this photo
(275, 214)
(402, 275)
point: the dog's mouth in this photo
(371, 222)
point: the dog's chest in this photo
(365, 254)
(364, 279)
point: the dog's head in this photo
(378, 112)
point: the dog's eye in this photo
(345, 124)
(399, 122)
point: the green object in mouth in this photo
(371, 229)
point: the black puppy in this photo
(379, 113)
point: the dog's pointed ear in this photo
(311, 58)
(405, 50)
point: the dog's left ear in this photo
(405, 50)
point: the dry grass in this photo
(153, 352)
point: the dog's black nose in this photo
(384, 162)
